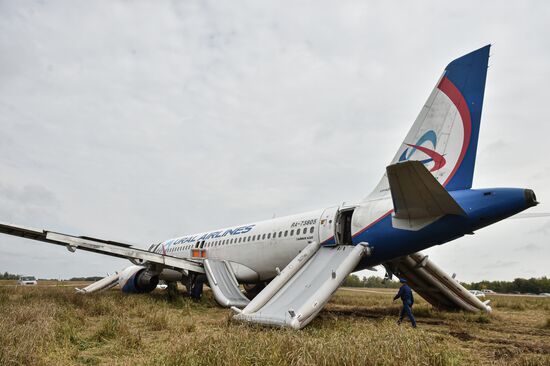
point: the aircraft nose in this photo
(530, 197)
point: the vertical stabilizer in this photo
(444, 135)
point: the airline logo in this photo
(210, 235)
(429, 155)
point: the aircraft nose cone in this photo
(530, 198)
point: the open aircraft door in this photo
(327, 226)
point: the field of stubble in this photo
(51, 325)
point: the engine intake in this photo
(138, 279)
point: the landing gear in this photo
(251, 290)
(172, 290)
(194, 285)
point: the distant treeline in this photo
(85, 278)
(525, 286)
(372, 282)
(11, 276)
(522, 285)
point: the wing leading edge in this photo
(105, 247)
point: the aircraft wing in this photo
(106, 247)
(434, 285)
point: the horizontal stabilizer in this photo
(417, 195)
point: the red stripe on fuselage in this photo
(373, 223)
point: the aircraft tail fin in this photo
(444, 136)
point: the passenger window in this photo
(297, 231)
(263, 237)
(269, 235)
(249, 238)
(311, 230)
(291, 232)
(286, 233)
(253, 237)
(280, 234)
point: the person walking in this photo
(406, 295)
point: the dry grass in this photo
(53, 325)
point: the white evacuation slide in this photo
(304, 286)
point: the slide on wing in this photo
(434, 285)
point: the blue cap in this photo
(402, 280)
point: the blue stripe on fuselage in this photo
(482, 206)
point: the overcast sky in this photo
(139, 121)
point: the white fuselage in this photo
(255, 250)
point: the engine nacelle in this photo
(138, 279)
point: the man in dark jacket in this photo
(406, 295)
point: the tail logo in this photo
(433, 156)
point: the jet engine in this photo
(138, 279)
(134, 280)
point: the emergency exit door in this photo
(327, 225)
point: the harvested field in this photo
(52, 325)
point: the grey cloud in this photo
(531, 247)
(541, 228)
(35, 195)
(155, 119)
(501, 264)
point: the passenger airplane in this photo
(425, 198)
